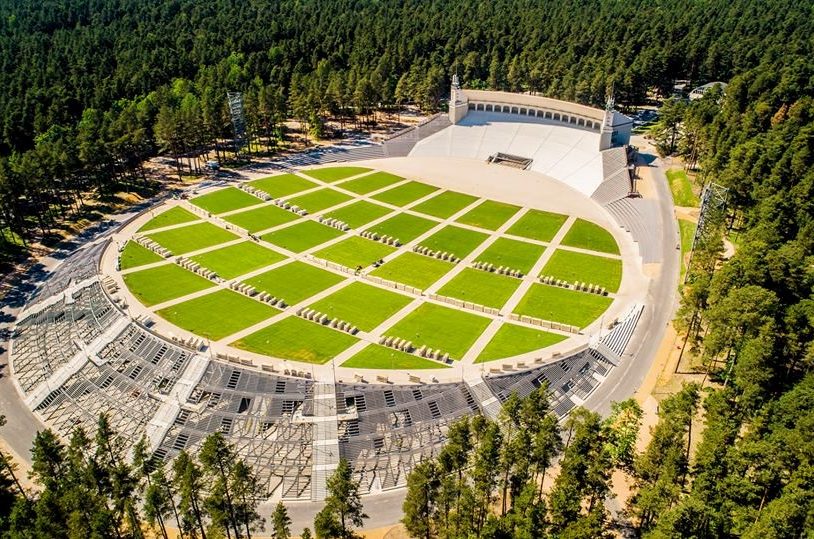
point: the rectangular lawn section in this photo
(190, 238)
(489, 215)
(163, 283)
(404, 194)
(446, 204)
(363, 305)
(283, 185)
(359, 213)
(514, 254)
(371, 182)
(375, 356)
(302, 236)
(591, 269)
(261, 218)
(295, 282)
(588, 235)
(299, 340)
(355, 251)
(562, 305)
(513, 340)
(216, 315)
(223, 200)
(173, 216)
(334, 174)
(403, 226)
(135, 255)
(454, 239)
(481, 287)
(319, 200)
(413, 269)
(238, 259)
(443, 328)
(681, 187)
(538, 225)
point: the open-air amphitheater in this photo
(375, 385)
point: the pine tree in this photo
(420, 502)
(280, 522)
(343, 506)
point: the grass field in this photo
(225, 200)
(375, 356)
(355, 251)
(404, 194)
(297, 339)
(135, 255)
(294, 282)
(319, 200)
(413, 269)
(687, 231)
(192, 237)
(513, 340)
(216, 315)
(283, 185)
(451, 330)
(261, 218)
(446, 204)
(515, 254)
(371, 182)
(562, 305)
(173, 216)
(403, 226)
(481, 287)
(362, 305)
(538, 225)
(454, 239)
(238, 259)
(489, 215)
(302, 236)
(588, 235)
(334, 174)
(163, 283)
(359, 213)
(591, 269)
(681, 187)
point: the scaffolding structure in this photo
(713, 203)
(238, 120)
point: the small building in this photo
(698, 93)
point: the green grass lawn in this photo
(687, 231)
(454, 239)
(513, 340)
(362, 305)
(261, 218)
(216, 315)
(192, 237)
(355, 251)
(538, 225)
(413, 269)
(295, 282)
(334, 174)
(482, 287)
(489, 214)
(163, 283)
(359, 213)
(371, 182)
(375, 356)
(451, 330)
(562, 305)
(588, 235)
(515, 254)
(406, 193)
(446, 204)
(173, 216)
(238, 259)
(591, 269)
(319, 200)
(135, 255)
(283, 185)
(297, 339)
(224, 200)
(302, 236)
(403, 226)
(681, 187)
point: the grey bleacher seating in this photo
(80, 265)
(640, 217)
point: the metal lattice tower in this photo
(238, 119)
(713, 202)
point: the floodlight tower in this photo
(238, 119)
